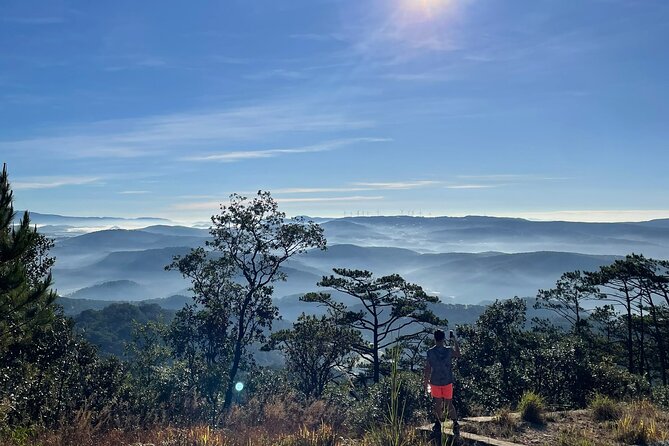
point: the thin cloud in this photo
(135, 192)
(53, 182)
(399, 185)
(359, 187)
(209, 205)
(278, 73)
(318, 37)
(472, 186)
(231, 157)
(164, 134)
(33, 20)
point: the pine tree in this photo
(25, 301)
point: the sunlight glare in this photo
(428, 8)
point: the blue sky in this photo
(543, 109)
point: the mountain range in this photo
(464, 260)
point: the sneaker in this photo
(456, 428)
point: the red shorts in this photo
(445, 392)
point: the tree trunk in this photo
(236, 360)
(630, 353)
(659, 340)
(232, 375)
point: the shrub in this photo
(604, 408)
(372, 409)
(531, 408)
(660, 395)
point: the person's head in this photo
(439, 335)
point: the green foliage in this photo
(395, 311)
(318, 351)
(531, 407)
(25, 298)
(604, 408)
(232, 286)
(566, 299)
(491, 370)
(110, 329)
(660, 396)
(408, 393)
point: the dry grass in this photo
(604, 408)
(170, 436)
(531, 408)
(641, 424)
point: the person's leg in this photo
(439, 409)
(452, 414)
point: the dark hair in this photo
(439, 335)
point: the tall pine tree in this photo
(25, 300)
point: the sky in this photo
(543, 109)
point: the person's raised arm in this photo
(456, 346)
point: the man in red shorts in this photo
(439, 378)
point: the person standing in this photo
(439, 378)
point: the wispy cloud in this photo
(33, 20)
(318, 37)
(53, 182)
(231, 157)
(161, 134)
(472, 186)
(278, 73)
(512, 177)
(211, 205)
(135, 192)
(399, 185)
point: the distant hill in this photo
(111, 327)
(124, 290)
(477, 234)
(461, 259)
(181, 231)
(72, 307)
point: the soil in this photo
(569, 428)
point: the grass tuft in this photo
(531, 408)
(604, 408)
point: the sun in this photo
(427, 7)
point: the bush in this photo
(604, 408)
(372, 410)
(531, 408)
(660, 396)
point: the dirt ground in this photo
(636, 425)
